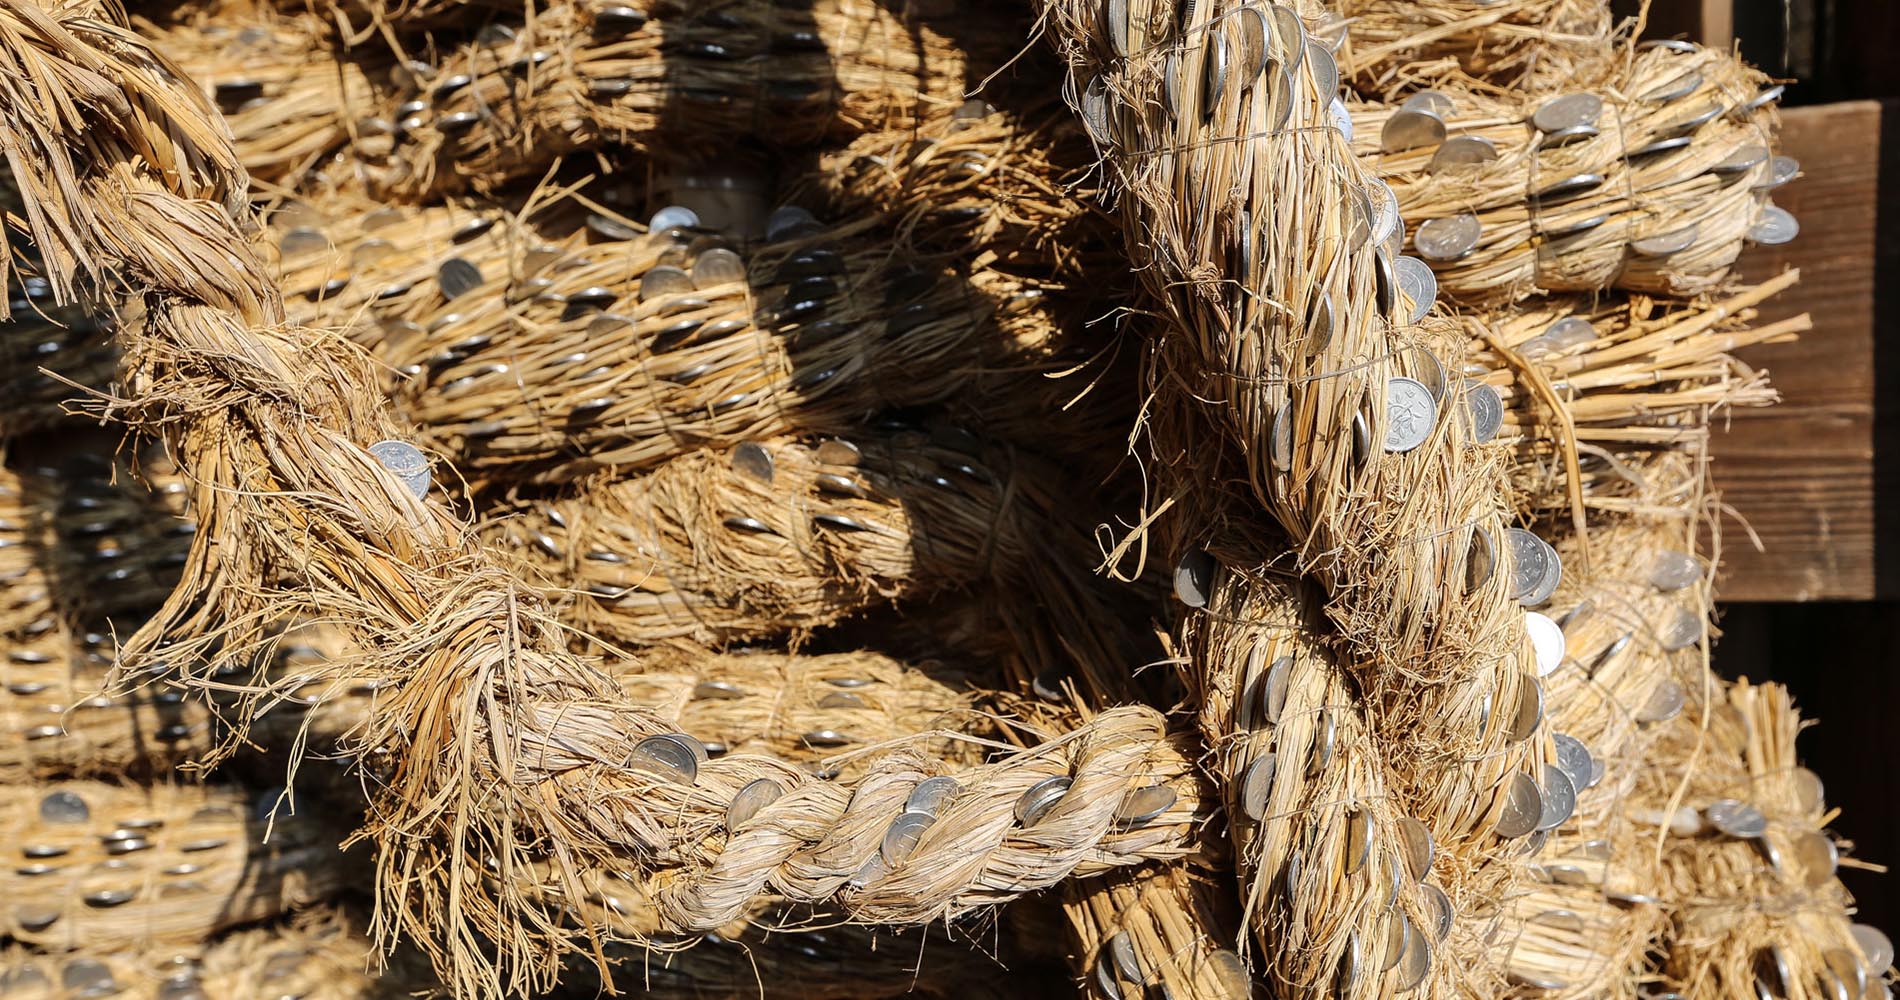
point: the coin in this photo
(1575, 760)
(1419, 286)
(672, 217)
(1674, 90)
(1321, 66)
(901, 837)
(1358, 839)
(1416, 847)
(1559, 798)
(1409, 414)
(666, 757)
(1481, 560)
(1385, 283)
(458, 277)
(1436, 102)
(1342, 119)
(1121, 948)
(1774, 227)
(1463, 151)
(1693, 121)
(1275, 690)
(1214, 69)
(1385, 211)
(1874, 946)
(1683, 630)
(756, 795)
(1567, 111)
(1194, 578)
(1116, 20)
(1323, 740)
(1566, 136)
(1547, 641)
(1144, 805)
(1808, 790)
(1416, 964)
(1781, 170)
(1095, 111)
(1547, 585)
(931, 795)
(836, 451)
(754, 460)
(302, 241)
(1230, 971)
(1744, 159)
(1411, 128)
(1040, 799)
(1530, 559)
(1763, 99)
(1250, 32)
(1569, 187)
(1664, 244)
(1280, 450)
(1523, 807)
(1429, 371)
(1319, 324)
(1558, 230)
(1663, 704)
(1359, 218)
(1819, 859)
(1348, 975)
(1256, 786)
(664, 279)
(1439, 913)
(717, 266)
(1672, 570)
(1659, 146)
(400, 457)
(64, 807)
(1448, 238)
(1529, 712)
(1736, 818)
(1487, 411)
(1289, 37)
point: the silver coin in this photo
(1781, 170)
(1322, 67)
(1530, 561)
(1694, 121)
(717, 266)
(1409, 414)
(1041, 797)
(1463, 151)
(1547, 584)
(1664, 703)
(1256, 786)
(1481, 560)
(64, 807)
(1144, 805)
(1279, 675)
(1319, 324)
(1435, 102)
(1847, 966)
(1664, 244)
(1358, 839)
(458, 277)
(672, 217)
(1672, 44)
(1194, 578)
(1416, 847)
(839, 486)
(836, 451)
(1280, 447)
(754, 460)
(1487, 411)
(1567, 111)
(841, 700)
(1775, 226)
(1660, 146)
(107, 898)
(1171, 85)
(1419, 286)
(1529, 713)
(400, 457)
(302, 241)
(1289, 38)
(826, 738)
(901, 838)
(1567, 136)
(1385, 211)
(1671, 570)
(1742, 160)
(1569, 187)
(1559, 798)
(1674, 90)
(1575, 760)
(1439, 914)
(1385, 283)
(1416, 964)
(1115, 18)
(1736, 818)
(1411, 128)
(666, 757)
(1359, 218)
(1683, 630)
(1449, 238)
(1095, 111)
(663, 280)
(1250, 33)
(1819, 859)
(1523, 807)
(1323, 740)
(931, 795)
(1121, 949)
(1874, 946)
(1558, 230)
(1429, 371)
(1763, 99)
(1808, 790)
(756, 795)
(1361, 438)
(717, 691)
(1547, 642)
(1396, 930)
(1213, 68)
(1348, 975)
(1342, 119)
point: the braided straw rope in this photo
(1538, 236)
(1533, 45)
(115, 867)
(704, 549)
(284, 411)
(510, 103)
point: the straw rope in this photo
(1155, 928)
(115, 867)
(521, 95)
(1695, 164)
(1530, 45)
(287, 408)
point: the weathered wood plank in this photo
(1802, 474)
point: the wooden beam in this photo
(1803, 474)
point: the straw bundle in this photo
(507, 105)
(287, 407)
(1655, 192)
(1159, 930)
(111, 866)
(1531, 45)
(1740, 826)
(717, 546)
